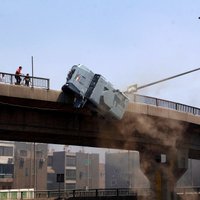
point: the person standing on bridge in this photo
(17, 75)
(27, 80)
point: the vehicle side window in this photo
(70, 74)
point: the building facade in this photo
(30, 165)
(61, 163)
(102, 175)
(80, 170)
(122, 170)
(87, 174)
(6, 165)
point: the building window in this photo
(102, 174)
(70, 160)
(6, 169)
(70, 174)
(70, 186)
(21, 162)
(6, 151)
(41, 162)
(113, 182)
(26, 172)
(50, 161)
(39, 154)
(23, 153)
(1, 151)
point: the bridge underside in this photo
(59, 123)
(41, 116)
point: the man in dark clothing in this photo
(27, 80)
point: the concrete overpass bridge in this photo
(151, 126)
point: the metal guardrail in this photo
(113, 192)
(38, 82)
(65, 194)
(86, 193)
(166, 104)
(188, 190)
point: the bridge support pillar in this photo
(163, 171)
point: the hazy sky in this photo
(127, 41)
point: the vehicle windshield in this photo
(70, 74)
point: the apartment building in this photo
(87, 174)
(61, 163)
(30, 165)
(80, 170)
(122, 170)
(6, 164)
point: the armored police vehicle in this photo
(88, 86)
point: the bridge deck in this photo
(13, 91)
(33, 114)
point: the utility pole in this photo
(35, 167)
(32, 69)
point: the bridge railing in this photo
(188, 190)
(113, 192)
(87, 193)
(38, 82)
(166, 104)
(9, 194)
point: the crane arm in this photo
(134, 88)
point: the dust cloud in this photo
(153, 136)
(160, 131)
